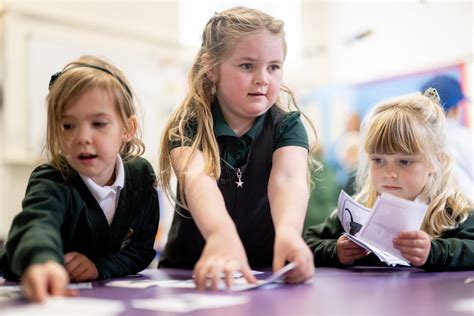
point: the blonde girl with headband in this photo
(240, 157)
(404, 142)
(92, 212)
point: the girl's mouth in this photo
(86, 156)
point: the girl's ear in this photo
(211, 73)
(130, 131)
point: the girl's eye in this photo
(274, 67)
(67, 127)
(405, 162)
(377, 161)
(246, 66)
(99, 124)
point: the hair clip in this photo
(54, 77)
(432, 93)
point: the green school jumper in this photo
(61, 215)
(248, 205)
(454, 250)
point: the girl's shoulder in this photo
(138, 164)
(47, 171)
(284, 117)
(278, 110)
(139, 170)
(46, 179)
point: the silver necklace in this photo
(238, 173)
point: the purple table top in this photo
(355, 291)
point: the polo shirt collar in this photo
(221, 128)
(101, 192)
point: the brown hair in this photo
(66, 87)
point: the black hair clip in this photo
(53, 78)
(432, 93)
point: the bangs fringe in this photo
(393, 132)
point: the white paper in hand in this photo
(375, 229)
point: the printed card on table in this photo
(238, 284)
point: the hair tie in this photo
(432, 94)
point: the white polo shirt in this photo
(108, 196)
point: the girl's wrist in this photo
(287, 229)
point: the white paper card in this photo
(377, 228)
(184, 303)
(238, 284)
(71, 306)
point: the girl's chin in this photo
(397, 192)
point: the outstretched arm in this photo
(223, 252)
(288, 194)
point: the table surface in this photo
(354, 291)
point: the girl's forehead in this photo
(261, 42)
(91, 100)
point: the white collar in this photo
(101, 192)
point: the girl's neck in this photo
(239, 125)
(242, 127)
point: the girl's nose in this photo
(83, 135)
(390, 173)
(260, 78)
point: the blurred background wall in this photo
(343, 57)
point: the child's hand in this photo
(80, 268)
(222, 255)
(42, 279)
(415, 246)
(348, 251)
(290, 247)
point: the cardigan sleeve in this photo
(35, 233)
(454, 250)
(322, 239)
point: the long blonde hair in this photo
(66, 87)
(219, 37)
(414, 124)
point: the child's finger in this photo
(200, 275)
(72, 264)
(278, 262)
(57, 286)
(83, 276)
(69, 257)
(215, 273)
(70, 292)
(412, 251)
(79, 273)
(349, 244)
(359, 255)
(229, 274)
(414, 260)
(355, 252)
(248, 275)
(35, 288)
(409, 235)
(76, 271)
